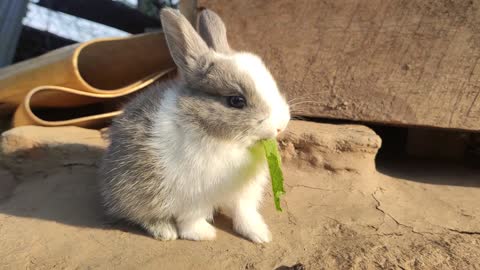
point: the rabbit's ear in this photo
(185, 45)
(213, 31)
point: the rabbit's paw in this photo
(253, 229)
(197, 231)
(162, 230)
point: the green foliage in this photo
(275, 167)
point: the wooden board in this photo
(402, 62)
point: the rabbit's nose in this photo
(279, 130)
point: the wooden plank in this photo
(412, 63)
(188, 9)
(114, 14)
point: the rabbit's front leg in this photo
(194, 225)
(243, 209)
(161, 229)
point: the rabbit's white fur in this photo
(185, 155)
(170, 164)
(255, 68)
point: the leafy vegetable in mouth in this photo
(275, 167)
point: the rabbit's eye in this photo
(238, 102)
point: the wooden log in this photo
(411, 63)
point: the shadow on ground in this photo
(68, 195)
(430, 171)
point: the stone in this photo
(332, 147)
(34, 148)
(316, 145)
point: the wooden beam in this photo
(107, 12)
(189, 9)
(405, 63)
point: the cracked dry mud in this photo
(340, 212)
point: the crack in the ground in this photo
(310, 187)
(377, 206)
(464, 232)
(291, 218)
(370, 226)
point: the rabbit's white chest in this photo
(195, 169)
(205, 175)
(200, 170)
(210, 168)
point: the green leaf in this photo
(275, 166)
(257, 160)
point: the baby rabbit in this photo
(182, 149)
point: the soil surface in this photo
(404, 215)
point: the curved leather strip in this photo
(62, 100)
(102, 66)
(25, 117)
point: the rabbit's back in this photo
(129, 173)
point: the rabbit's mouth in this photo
(270, 135)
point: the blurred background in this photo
(29, 28)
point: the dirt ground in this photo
(405, 215)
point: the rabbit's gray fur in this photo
(178, 149)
